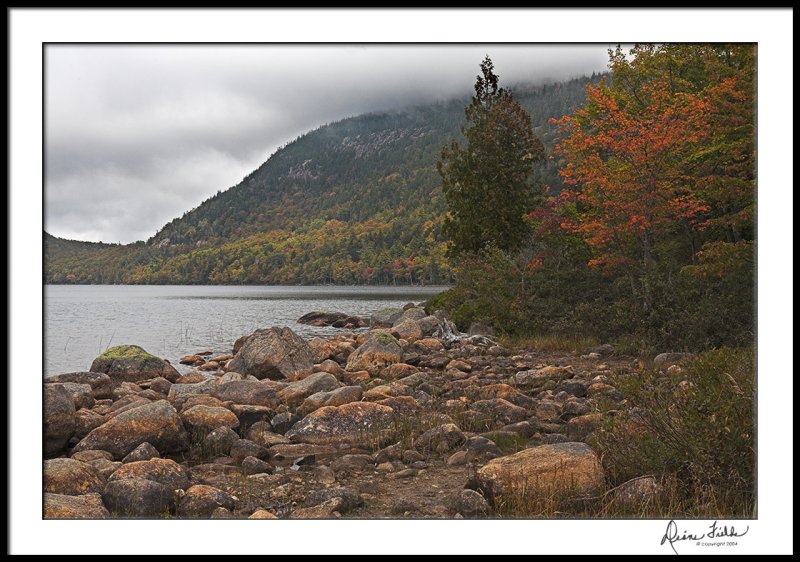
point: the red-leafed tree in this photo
(626, 172)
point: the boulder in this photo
(164, 471)
(570, 469)
(665, 360)
(200, 501)
(385, 317)
(603, 350)
(143, 452)
(193, 377)
(91, 455)
(71, 477)
(410, 314)
(262, 514)
(156, 422)
(137, 497)
(500, 410)
(440, 439)
(274, 353)
(61, 506)
(179, 392)
(205, 419)
(639, 493)
(104, 467)
(338, 397)
(244, 448)
(254, 465)
(220, 440)
(399, 371)
(59, 418)
(101, 383)
(261, 433)
(296, 392)
(349, 423)
(256, 393)
(408, 330)
(160, 385)
(350, 498)
(86, 421)
(250, 414)
(131, 363)
(468, 503)
(81, 394)
(239, 343)
(378, 351)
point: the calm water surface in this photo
(81, 321)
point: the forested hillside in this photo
(355, 201)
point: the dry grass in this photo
(549, 343)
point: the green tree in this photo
(487, 183)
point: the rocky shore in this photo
(408, 419)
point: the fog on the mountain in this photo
(137, 135)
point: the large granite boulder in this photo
(155, 422)
(131, 363)
(101, 383)
(274, 353)
(59, 418)
(378, 351)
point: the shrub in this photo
(696, 426)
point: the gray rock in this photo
(244, 448)
(351, 498)
(220, 441)
(248, 392)
(441, 439)
(201, 501)
(71, 477)
(156, 422)
(275, 353)
(101, 383)
(253, 465)
(385, 317)
(59, 418)
(164, 471)
(468, 503)
(137, 497)
(131, 363)
(143, 452)
(81, 394)
(296, 392)
(60, 506)
(664, 360)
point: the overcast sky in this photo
(137, 135)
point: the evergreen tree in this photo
(487, 183)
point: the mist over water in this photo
(82, 321)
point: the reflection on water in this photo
(171, 321)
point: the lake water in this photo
(81, 321)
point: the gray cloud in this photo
(136, 135)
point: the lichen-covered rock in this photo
(131, 363)
(156, 422)
(220, 441)
(338, 397)
(350, 498)
(499, 410)
(71, 477)
(349, 423)
(143, 452)
(137, 497)
(262, 514)
(468, 503)
(570, 469)
(205, 419)
(164, 471)
(179, 393)
(201, 501)
(59, 418)
(61, 506)
(244, 448)
(86, 421)
(408, 330)
(539, 376)
(508, 393)
(257, 393)
(262, 434)
(378, 351)
(254, 465)
(440, 439)
(81, 394)
(101, 383)
(91, 455)
(296, 392)
(274, 353)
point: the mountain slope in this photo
(356, 201)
